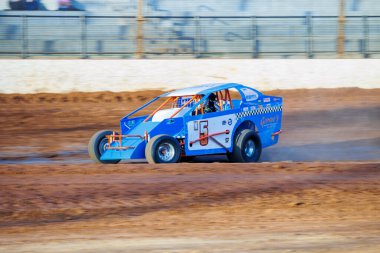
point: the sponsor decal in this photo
(183, 100)
(129, 124)
(245, 109)
(267, 121)
(266, 100)
(250, 95)
(126, 125)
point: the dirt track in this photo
(281, 207)
(54, 200)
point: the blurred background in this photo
(190, 29)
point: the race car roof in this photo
(201, 89)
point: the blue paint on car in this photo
(198, 132)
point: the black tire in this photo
(162, 149)
(242, 148)
(96, 147)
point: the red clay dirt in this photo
(321, 193)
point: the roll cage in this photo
(195, 103)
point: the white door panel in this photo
(203, 127)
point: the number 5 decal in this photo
(203, 133)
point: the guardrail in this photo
(83, 36)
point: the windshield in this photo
(163, 108)
(173, 107)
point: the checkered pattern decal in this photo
(259, 111)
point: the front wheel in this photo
(247, 147)
(98, 145)
(163, 149)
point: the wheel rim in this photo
(103, 145)
(249, 148)
(166, 152)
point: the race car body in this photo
(200, 120)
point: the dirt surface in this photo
(318, 190)
(269, 207)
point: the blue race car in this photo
(195, 121)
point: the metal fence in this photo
(77, 35)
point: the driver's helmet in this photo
(212, 97)
(210, 105)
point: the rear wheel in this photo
(98, 145)
(247, 147)
(163, 149)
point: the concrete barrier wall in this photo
(33, 76)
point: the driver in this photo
(210, 105)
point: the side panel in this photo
(128, 124)
(267, 118)
(209, 124)
(169, 126)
